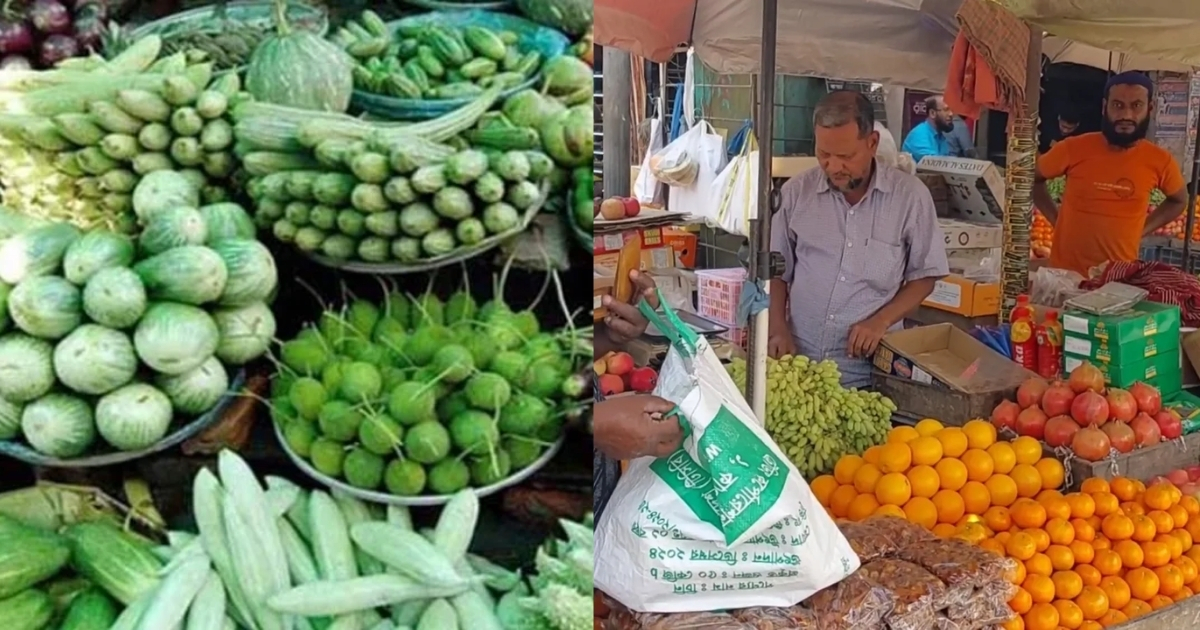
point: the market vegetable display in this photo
(76, 142)
(812, 418)
(108, 339)
(416, 396)
(43, 33)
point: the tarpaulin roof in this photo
(897, 42)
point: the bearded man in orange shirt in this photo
(1110, 175)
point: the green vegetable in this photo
(300, 69)
(144, 105)
(500, 217)
(45, 306)
(333, 189)
(568, 136)
(163, 189)
(485, 43)
(226, 221)
(90, 610)
(28, 610)
(114, 297)
(112, 118)
(189, 274)
(95, 251)
(95, 360)
(251, 273)
(175, 338)
(173, 227)
(112, 560)
(196, 391)
(133, 417)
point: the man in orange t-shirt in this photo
(1110, 175)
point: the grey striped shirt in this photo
(844, 263)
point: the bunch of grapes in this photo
(812, 418)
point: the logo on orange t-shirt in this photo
(1123, 188)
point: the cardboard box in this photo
(938, 190)
(1146, 319)
(942, 372)
(603, 283)
(980, 265)
(657, 258)
(1189, 344)
(1161, 371)
(683, 244)
(968, 235)
(976, 187)
(1102, 351)
(961, 296)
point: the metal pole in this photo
(1190, 221)
(760, 229)
(618, 92)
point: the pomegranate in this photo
(1031, 422)
(1057, 399)
(1086, 377)
(1178, 477)
(1030, 392)
(1169, 424)
(1120, 435)
(1193, 473)
(1089, 408)
(1090, 444)
(1149, 400)
(1004, 416)
(1121, 405)
(1146, 430)
(1059, 430)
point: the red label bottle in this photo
(1049, 336)
(1021, 339)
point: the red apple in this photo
(643, 379)
(619, 364)
(611, 385)
(632, 206)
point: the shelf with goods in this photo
(149, 299)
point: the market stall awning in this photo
(1062, 50)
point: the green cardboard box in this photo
(1161, 371)
(1104, 351)
(1146, 319)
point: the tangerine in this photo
(979, 464)
(928, 427)
(1067, 584)
(1106, 503)
(863, 506)
(1107, 562)
(1160, 601)
(1144, 528)
(1088, 624)
(1136, 608)
(1083, 552)
(893, 489)
(1040, 537)
(1179, 515)
(946, 530)
(1052, 471)
(921, 511)
(896, 457)
(1102, 542)
(1089, 574)
(1158, 496)
(1172, 543)
(1185, 539)
(1131, 554)
(1003, 457)
(1193, 528)
(839, 501)
(1188, 567)
(1061, 532)
(866, 477)
(1123, 488)
(1039, 564)
(890, 510)
(980, 434)
(926, 451)
(924, 481)
(1021, 601)
(1042, 616)
(954, 441)
(952, 472)
(1117, 591)
(1028, 513)
(1091, 485)
(1029, 481)
(1040, 588)
(1157, 554)
(1183, 594)
(1016, 623)
(1083, 530)
(1117, 526)
(1093, 602)
(1112, 618)
(1002, 490)
(871, 455)
(1027, 450)
(998, 519)
(1143, 583)
(950, 507)
(977, 497)
(1132, 507)
(1061, 557)
(1170, 579)
(1069, 614)
(1082, 505)
(902, 435)
(1056, 506)
(822, 487)
(1190, 504)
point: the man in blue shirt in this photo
(960, 140)
(929, 137)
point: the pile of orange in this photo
(942, 478)
(1041, 237)
(1114, 551)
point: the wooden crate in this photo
(1142, 463)
(1184, 614)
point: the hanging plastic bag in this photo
(706, 152)
(645, 189)
(736, 191)
(676, 164)
(684, 533)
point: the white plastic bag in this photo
(736, 191)
(724, 522)
(645, 189)
(676, 164)
(706, 150)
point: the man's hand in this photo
(780, 344)
(865, 337)
(634, 426)
(624, 322)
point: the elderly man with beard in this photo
(932, 137)
(860, 241)
(1110, 175)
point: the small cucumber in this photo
(485, 43)
(367, 48)
(430, 62)
(478, 68)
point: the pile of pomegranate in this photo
(1081, 414)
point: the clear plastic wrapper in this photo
(961, 566)
(866, 540)
(985, 607)
(900, 532)
(855, 603)
(944, 623)
(914, 592)
(627, 620)
(771, 618)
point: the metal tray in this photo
(701, 325)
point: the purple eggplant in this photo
(15, 62)
(56, 48)
(50, 17)
(15, 37)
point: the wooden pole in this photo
(1018, 182)
(618, 90)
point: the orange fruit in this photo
(1056, 506)
(1144, 528)
(1040, 587)
(1132, 507)
(1188, 567)
(1117, 526)
(998, 519)
(1160, 601)
(893, 489)
(1088, 624)
(1136, 608)
(1123, 488)
(1061, 557)
(1143, 583)
(822, 487)
(1106, 503)
(928, 426)
(861, 507)
(1089, 574)
(871, 455)
(890, 510)
(1112, 618)
(1067, 584)
(1083, 552)
(1176, 493)
(1021, 601)
(1016, 623)
(980, 434)
(1131, 554)
(1093, 602)
(977, 497)
(1028, 513)
(926, 451)
(1052, 471)
(991, 544)
(946, 530)
(1002, 537)
(896, 457)
(1158, 497)
(845, 468)
(1003, 457)
(1039, 564)
(954, 441)
(1107, 562)
(1069, 614)
(1193, 528)
(1017, 574)
(866, 477)
(1061, 532)
(1040, 537)
(1101, 542)
(1092, 485)
(924, 481)
(1042, 616)
(1157, 554)
(1027, 450)
(979, 464)
(1083, 530)
(921, 511)
(1191, 505)
(950, 507)
(1117, 591)
(1082, 505)
(952, 472)
(1183, 594)
(1029, 481)
(1170, 579)
(1020, 546)
(1179, 515)
(1172, 543)
(1185, 539)
(839, 500)
(902, 435)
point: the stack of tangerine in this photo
(939, 477)
(1096, 558)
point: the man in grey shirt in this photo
(960, 141)
(861, 243)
